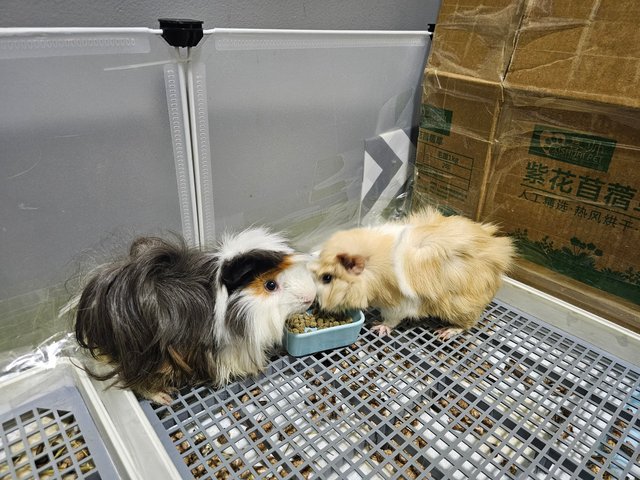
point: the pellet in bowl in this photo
(316, 330)
(300, 322)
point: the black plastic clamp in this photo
(181, 32)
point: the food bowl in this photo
(318, 339)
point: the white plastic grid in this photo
(52, 437)
(513, 398)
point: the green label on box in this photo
(436, 119)
(578, 259)
(574, 148)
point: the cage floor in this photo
(52, 437)
(512, 398)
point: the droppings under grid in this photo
(513, 398)
(52, 438)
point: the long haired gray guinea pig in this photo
(167, 315)
(429, 265)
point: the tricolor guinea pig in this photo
(168, 316)
(427, 266)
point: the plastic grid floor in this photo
(512, 398)
(52, 437)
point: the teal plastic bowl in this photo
(314, 340)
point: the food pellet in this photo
(315, 319)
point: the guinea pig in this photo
(169, 316)
(426, 266)
(260, 282)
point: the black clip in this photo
(431, 28)
(181, 32)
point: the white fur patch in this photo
(398, 263)
(407, 308)
(233, 245)
(220, 312)
(390, 229)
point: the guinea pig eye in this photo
(326, 278)
(270, 285)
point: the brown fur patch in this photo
(256, 287)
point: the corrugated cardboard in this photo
(469, 58)
(540, 132)
(475, 38)
(453, 155)
(586, 49)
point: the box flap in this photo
(588, 49)
(475, 40)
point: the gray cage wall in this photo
(53, 437)
(50, 430)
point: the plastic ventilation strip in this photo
(53, 437)
(512, 398)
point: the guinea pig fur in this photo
(168, 316)
(260, 283)
(150, 316)
(427, 266)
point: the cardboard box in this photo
(452, 156)
(540, 133)
(462, 98)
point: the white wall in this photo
(303, 14)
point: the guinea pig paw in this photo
(161, 398)
(447, 332)
(382, 330)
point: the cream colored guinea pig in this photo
(426, 266)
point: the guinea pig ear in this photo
(239, 271)
(353, 264)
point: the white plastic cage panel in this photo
(281, 119)
(87, 132)
(96, 135)
(514, 398)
